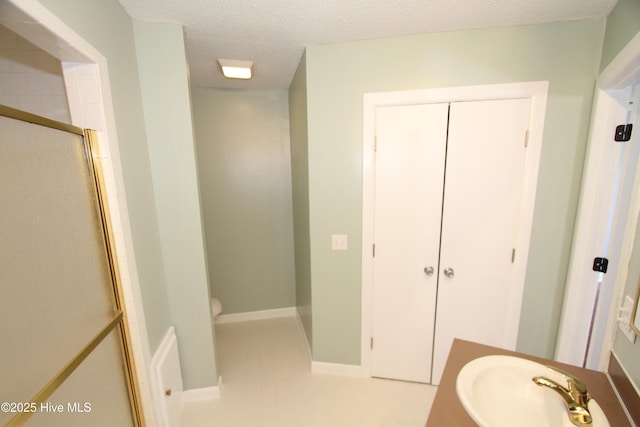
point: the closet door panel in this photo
(409, 164)
(483, 191)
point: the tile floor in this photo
(267, 383)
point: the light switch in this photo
(339, 242)
(624, 321)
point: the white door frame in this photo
(591, 225)
(537, 91)
(85, 73)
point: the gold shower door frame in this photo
(23, 411)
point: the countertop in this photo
(447, 411)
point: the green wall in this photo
(300, 189)
(106, 26)
(162, 65)
(244, 166)
(566, 54)
(622, 25)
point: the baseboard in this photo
(316, 367)
(304, 334)
(337, 369)
(324, 367)
(204, 393)
(256, 315)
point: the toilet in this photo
(216, 307)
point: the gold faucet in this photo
(575, 396)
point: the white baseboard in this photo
(304, 335)
(328, 368)
(337, 369)
(204, 393)
(256, 315)
(316, 367)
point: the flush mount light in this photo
(236, 69)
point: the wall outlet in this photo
(624, 321)
(339, 242)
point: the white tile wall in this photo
(31, 79)
(83, 90)
(86, 106)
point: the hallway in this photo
(267, 383)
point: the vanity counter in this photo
(447, 411)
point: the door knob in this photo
(428, 271)
(448, 272)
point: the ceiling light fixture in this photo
(236, 69)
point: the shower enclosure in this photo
(65, 357)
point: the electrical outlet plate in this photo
(624, 321)
(339, 242)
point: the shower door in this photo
(63, 357)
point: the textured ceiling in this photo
(273, 33)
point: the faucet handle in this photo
(574, 383)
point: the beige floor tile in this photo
(268, 383)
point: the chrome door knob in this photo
(428, 271)
(448, 272)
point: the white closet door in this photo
(484, 182)
(411, 143)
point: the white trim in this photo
(325, 368)
(304, 335)
(625, 67)
(256, 315)
(36, 23)
(577, 306)
(203, 393)
(166, 374)
(579, 298)
(537, 92)
(338, 369)
(623, 265)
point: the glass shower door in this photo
(63, 361)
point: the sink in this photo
(497, 391)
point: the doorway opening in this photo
(605, 218)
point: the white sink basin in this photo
(497, 391)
